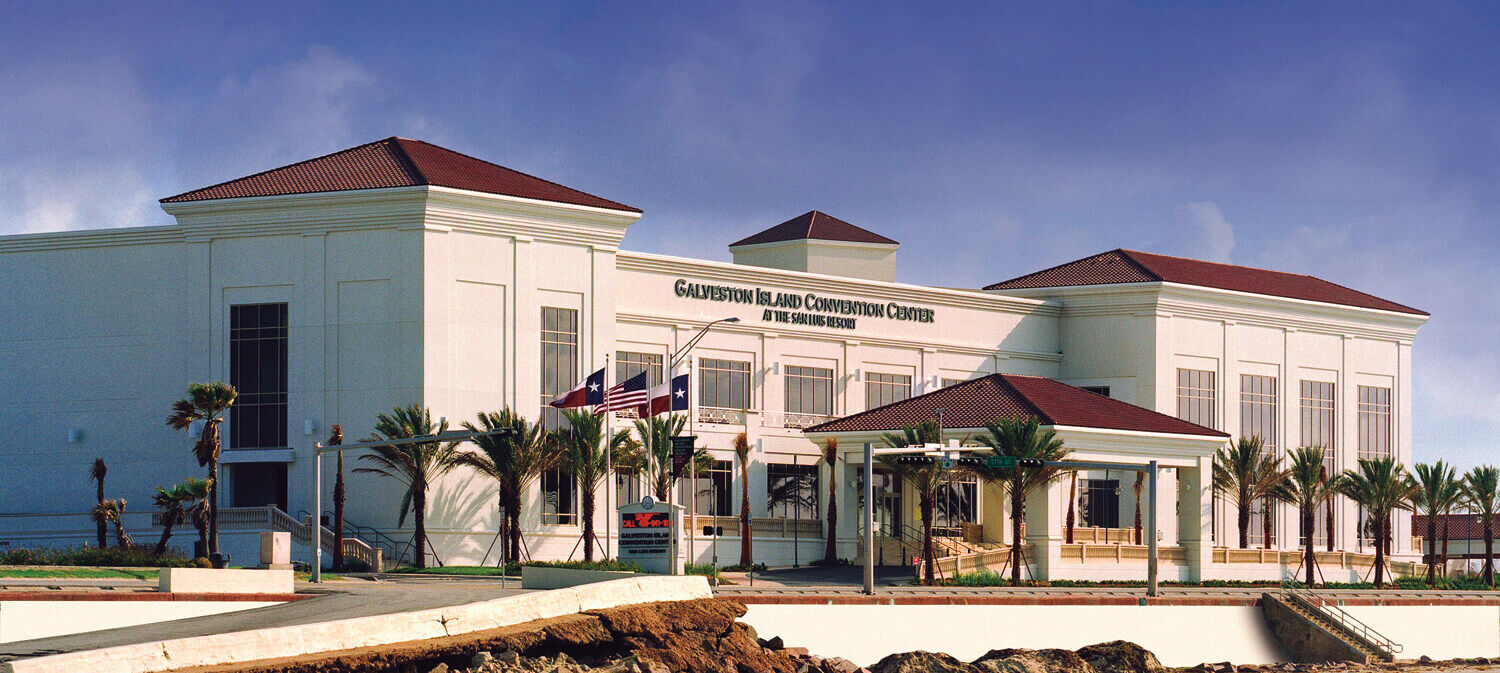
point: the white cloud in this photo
(1200, 230)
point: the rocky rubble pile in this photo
(1113, 657)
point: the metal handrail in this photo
(1337, 614)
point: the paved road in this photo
(338, 600)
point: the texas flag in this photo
(588, 393)
(665, 397)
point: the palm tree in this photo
(1381, 487)
(1140, 482)
(1024, 440)
(925, 476)
(514, 460)
(1244, 473)
(1306, 486)
(175, 503)
(416, 464)
(583, 457)
(336, 438)
(206, 402)
(1482, 494)
(112, 511)
(742, 452)
(656, 435)
(101, 526)
(1072, 505)
(1335, 483)
(831, 457)
(1439, 490)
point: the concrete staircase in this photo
(1312, 629)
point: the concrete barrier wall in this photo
(25, 620)
(1438, 631)
(289, 641)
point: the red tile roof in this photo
(1131, 266)
(975, 403)
(1460, 526)
(817, 225)
(396, 162)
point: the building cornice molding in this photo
(736, 273)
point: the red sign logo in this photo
(646, 520)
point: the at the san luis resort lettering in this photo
(804, 309)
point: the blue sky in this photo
(1359, 143)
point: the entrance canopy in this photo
(1093, 426)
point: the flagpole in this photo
(609, 467)
(692, 467)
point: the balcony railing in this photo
(792, 420)
(722, 415)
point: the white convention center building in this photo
(399, 272)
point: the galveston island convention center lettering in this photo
(803, 308)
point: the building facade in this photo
(399, 272)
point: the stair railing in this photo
(1291, 591)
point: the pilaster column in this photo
(1194, 516)
(1044, 529)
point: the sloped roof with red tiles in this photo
(1460, 526)
(976, 403)
(817, 225)
(1132, 266)
(396, 162)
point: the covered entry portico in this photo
(1094, 428)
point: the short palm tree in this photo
(1024, 440)
(112, 511)
(1381, 487)
(416, 464)
(1482, 495)
(923, 475)
(1140, 483)
(206, 402)
(514, 460)
(176, 502)
(1439, 491)
(340, 495)
(97, 473)
(1335, 484)
(584, 455)
(655, 435)
(830, 543)
(742, 455)
(1244, 474)
(1306, 486)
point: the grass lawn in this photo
(79, 572)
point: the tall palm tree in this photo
(1244, 473)
(176, 502)
(1335, 483)
(742, 454)
(655, 435)
(416, 464)
(584, 456)
(1072, 506)
(1381, 487)
(1140, 482)
(831, 457)
(206, 402)
(514, 460)
(336, 438)
(1482, 495)
(1024, 440)
(1439, 490)
(923, 475)
(101, 526)
(1306, 486)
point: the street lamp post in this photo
(691, 466)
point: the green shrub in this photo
(704, 569)
(740, 568)
(611, 564)
(135, 556)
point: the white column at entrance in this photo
(1044, 524)
(1194, 516)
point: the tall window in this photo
(956, 503)
(792, 491)
(883, 389)
(559, 498)
(809, 390)
(715, 490)
(1258, 412)
(1100, 503)
(559, 359)
(723, 384)
(257, 369)
(1374, 422)
(1195, 397)
(629, 364)
(1318, 418)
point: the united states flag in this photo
(631, 392)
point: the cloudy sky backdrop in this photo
(1358, 143)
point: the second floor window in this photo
(628, 364)
(792, 491)
(258, 371)
(559, 359)
(809, 390)
(724, 384)
(1258, 410)
(883, 389)
(1196, 400)
(1374, 422)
